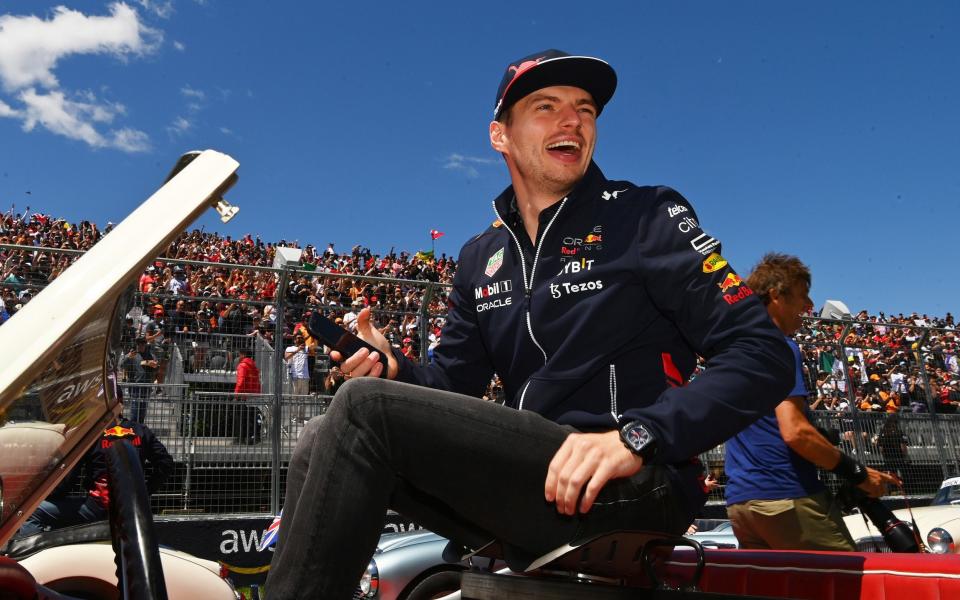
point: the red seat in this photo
(16, 583)
(823, 575)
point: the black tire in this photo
(436, 585)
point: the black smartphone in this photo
(340, 339)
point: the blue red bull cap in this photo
(555, 67)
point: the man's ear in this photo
(498, 136)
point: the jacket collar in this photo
(506, 202)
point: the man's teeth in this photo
(564, 144)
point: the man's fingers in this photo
(355, 361)
(553, 471)
(572, 479)
(363, 325)
(600, 478)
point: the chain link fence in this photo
(878, 386)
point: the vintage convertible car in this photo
(939, 523)
(409, 566)
(57, 396)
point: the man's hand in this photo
(875, 485)
(590, 459)
(364, 363)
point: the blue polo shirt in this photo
(760, 465)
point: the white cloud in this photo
(30, 50)
(130, 140)
(223, 130)
(8, 111)
(180, 126)
(189, 92)
(30, 47)
(161, 9)
(73, 119)
(467, 164)
(178, 45)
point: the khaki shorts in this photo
(808, 523)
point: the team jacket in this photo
(600, 321)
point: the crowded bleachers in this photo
(208, 297)
(891, 363)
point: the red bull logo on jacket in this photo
(730, 281)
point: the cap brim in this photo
(585, 72)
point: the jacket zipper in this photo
(528, 284)
(613, 394)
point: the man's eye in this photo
(544, 107)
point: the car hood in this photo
(927, 518)
(391, 541)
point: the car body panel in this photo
(186, 576)
(403, 558)
(944, 513)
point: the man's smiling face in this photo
(548, 138)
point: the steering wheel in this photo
(136, 553)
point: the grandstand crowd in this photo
(891, 363)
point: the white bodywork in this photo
(89, 568)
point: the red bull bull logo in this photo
(730, 281)
(524, 66)
(118, 432)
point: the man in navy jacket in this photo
(591, 299)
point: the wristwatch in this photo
(638, 439)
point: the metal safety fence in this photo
(879, 386)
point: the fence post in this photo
(935, 420)
(424, 330)
(278, 368)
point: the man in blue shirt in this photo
(774, 498)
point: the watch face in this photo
(638, 437)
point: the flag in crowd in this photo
(434, 234)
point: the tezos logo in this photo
(676, 209)
(559, 289)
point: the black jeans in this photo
(465, 468)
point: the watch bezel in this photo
(646, 446)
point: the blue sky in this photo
(827, 130)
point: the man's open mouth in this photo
(565, 148)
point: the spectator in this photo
(297, 366)
(60, 510)
(247, 419)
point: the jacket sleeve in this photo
(750, 367)
(242, 375)
(160, 460)
(461, 363)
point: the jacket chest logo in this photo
(494, 263)
(573, 246)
